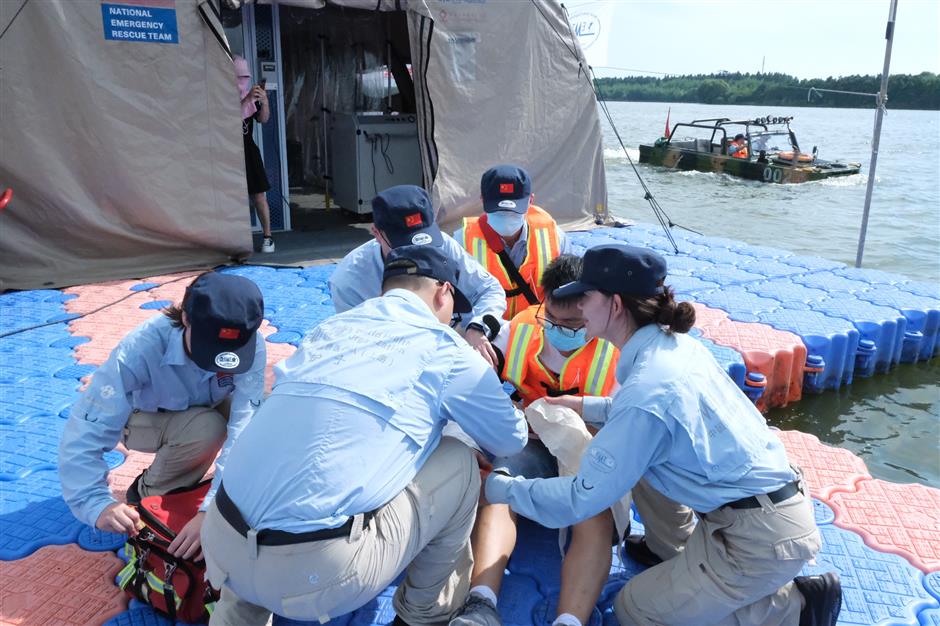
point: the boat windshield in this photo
(771, 141)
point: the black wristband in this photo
(479, 327)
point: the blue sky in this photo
(805, 38)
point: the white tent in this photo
(126, 159)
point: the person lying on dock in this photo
(181, 385)
(342, 479)
(403, 216)
(679, 422)
(514, 239)
(738, 147)
(546, 354)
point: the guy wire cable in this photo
(662, 217)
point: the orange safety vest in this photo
(589, 371)
(741, 154)
(543, 247)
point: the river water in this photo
(890, 420)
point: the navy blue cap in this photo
(224, 312)
(506, 188)
(618, 268)
(430, 262)
(404, 213)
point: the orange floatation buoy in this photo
(802, 157)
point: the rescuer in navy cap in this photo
(224, 312)
(404, 216)
(621, 269)
(514, 239)
(181, 385)
(430, 262)
(681, 436)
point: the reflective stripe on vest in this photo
(515, 360)
(600, 371)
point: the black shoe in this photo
(823, 596)
(635, 547)
(398, 622)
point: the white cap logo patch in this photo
(226, 360)
(506, 204)
(421, 239)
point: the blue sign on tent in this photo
(143, 24)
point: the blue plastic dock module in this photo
(923, 316)
(885, 327)
(833, 340)
(19, 401)
(770, 268)
(728, 275)
(684, 265)
(688, 287)
(877, 588)
(740, 304)
(832, 283)
(790, 294)
(729, 359)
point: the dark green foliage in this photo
(905, 91)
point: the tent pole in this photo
(323, 113)
(876, 136)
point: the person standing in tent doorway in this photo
(514, 239)
(182, 385)
(254, 102)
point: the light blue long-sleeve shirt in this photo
(520, 249)
(356, 412)
(147, 371)
(678, 420)
(358, 277)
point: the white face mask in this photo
(506, 223)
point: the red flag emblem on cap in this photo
(506, 188)
(229, 333)
(413, 220)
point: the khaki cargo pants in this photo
(185, 442)
(425, 528)
(736, 567)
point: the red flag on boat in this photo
(666, 132)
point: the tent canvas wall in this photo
(496, 81)
(125, 156)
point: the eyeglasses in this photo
(456, 318)
(547, 324)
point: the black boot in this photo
(635, 547)
(823, 596)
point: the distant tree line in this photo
(905, 91)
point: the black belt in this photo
(751, 502)
(233, 516)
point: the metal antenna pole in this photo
(876, 136)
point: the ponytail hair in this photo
(175, 311)
(662, 309)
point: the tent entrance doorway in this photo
(349, 109)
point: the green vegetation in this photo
(905, 91)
